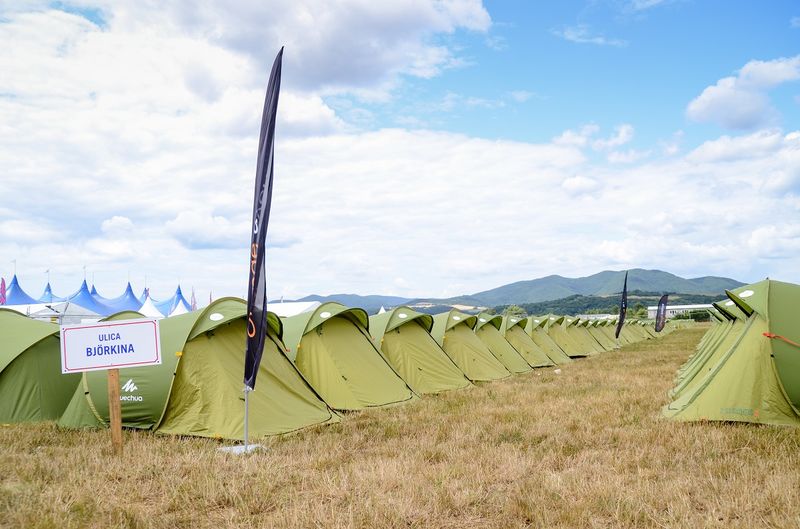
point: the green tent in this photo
(403, 336)
(580, 336)
(536, 329)
(514, 331)
(607, 328)
(488, 330)
(32, 387)
(333, 349)
(556, 330)
(748, 368)
(197, 390)
(595, 328)
(453, 331)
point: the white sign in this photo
(109, 345)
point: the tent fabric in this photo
(586, 344)
(207, 401)
(127, 301)
(741, 371)
(85, 299)
(32, 387)
(596, 330)
(197, 390)
(453, 331)
(555, 329)
(168, 306)
(16, 296)
(487, 329)
(333, 349)
(48, 296)
(403, 336)
(149, 309)
(514, 331)
(536, 329)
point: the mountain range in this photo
(606, 283)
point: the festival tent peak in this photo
(513, 329)
(149, 309)
(48, 296)
(178, 310)
(487, 328)
(750, 371)
(197, 389)
(32, 387)
(403, 336)
(126, 301)
(536, 327)
(85, 299)
(16, 296)
(454, 332)
(168, 306)
(96, 295)
(332, 348)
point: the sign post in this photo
(110, 346)
(115, 411)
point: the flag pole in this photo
(257, 315)
(247, 391)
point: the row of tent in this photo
(92, 303)
(747, 366)
(315, 366)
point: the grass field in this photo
(583, 448)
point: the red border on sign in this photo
(109, 366)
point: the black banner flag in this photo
(623, 306)
(661, 313)
(262, 199)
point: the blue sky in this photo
(653, 62)
(425, 148)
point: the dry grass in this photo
(586, 448)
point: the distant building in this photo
(674, 310)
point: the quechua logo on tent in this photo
(262, 200)
(661, 312)
(623, 306)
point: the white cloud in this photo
(116, 224)
(795, 22)
(727, 148)
(672, 146)
(578, 185)
(741, 102)
(520, 96)
(150, 125)
(639, 5)
(622, 134)
(629, 156)
(578, 138)
(497, 43)
(581, 34)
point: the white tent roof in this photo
(149, 310)
(292, 308)
(178, 310)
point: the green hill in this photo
(601, 284)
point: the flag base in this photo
(239, 450)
